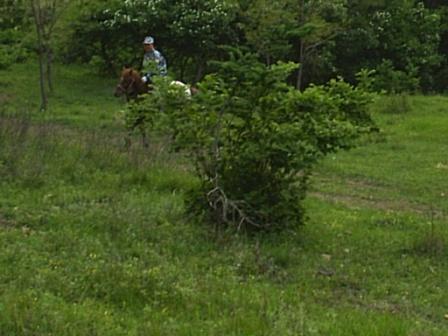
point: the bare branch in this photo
(229, 211)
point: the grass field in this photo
(94, 239)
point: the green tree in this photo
(439, 81)
(318, 23)
(266, 26)
(254, 139)
(46, 14)
(293, 30)
(196, 29)
(398, 38)
(109, 33)
(188, 32)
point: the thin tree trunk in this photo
(199, 70)
(268, 60)
(43, 93)
(299, 79)
(105, 55)
(35, 4)
(183, 68)
(49, 54)
(301, 47)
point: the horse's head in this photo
(194, 90)
(130, 84)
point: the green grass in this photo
(405, 169)
(81, 96)
(94, 239)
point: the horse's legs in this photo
(140, 124)
(128, 137)
(127, 141)
(145, 141)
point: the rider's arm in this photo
(147, 68)
(154, 64)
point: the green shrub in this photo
(254, 139)
(11, 48)
(392, 80)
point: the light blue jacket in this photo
(154, 64)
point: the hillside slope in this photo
(94, 239)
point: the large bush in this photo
(254, 139)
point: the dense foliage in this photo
(110, 33)
(404, 41)
(254, 139)
(12, 32)
(399, 41)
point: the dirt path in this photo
(362, 194)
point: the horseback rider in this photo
(154, 64)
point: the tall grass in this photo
(395, 104)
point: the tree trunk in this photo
(301, 46)
(199, 70)
(182, 68)
(110, 67)
(35, 4)
(268, 60)
(43, 93)
(49, 56)
(302, 62)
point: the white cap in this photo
(148, 40)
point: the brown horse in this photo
(130, 85)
